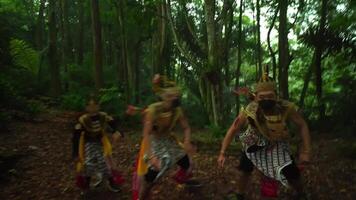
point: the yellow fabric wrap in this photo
(107, 148)
(84, 121)
(142, 166)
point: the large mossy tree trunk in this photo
(81, 23)
(97, 43)
(283, 50)
(318, 59)
(239, 54)
(52, 53)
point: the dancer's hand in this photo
(221, 160)
(155, 162)
(116, 137)
(304, 160)
(188, 147)
(304, 157)
(156, 78)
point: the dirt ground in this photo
(35, 163)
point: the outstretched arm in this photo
(233, 130)
(116, 134)
(186, 128)
(113, 123)
(187, 134)
(304, 154)
(147, 128)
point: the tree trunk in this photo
(259, 48)
(40, 37)
(62, 44)
(255, 48)
(210, 81)
(213, 86)
(210, 27)
(318, 59)
(239, 55)
(128, 68)
(226, 40)
(182, 49)
(110, 44)
(53, 61)
(97, 42)
(283, 50)
(80, 49)
(224, 55)
(271, 51)
(137, 58)
(66, 28)
(120, 45)
(159, 40)
(307, 78)
(40, 26)
(66, 44)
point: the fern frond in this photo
(23, 55)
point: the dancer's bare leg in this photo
(243, 179)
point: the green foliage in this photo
(205, 141)
(9, 97)
(193, 109)
(24, 56)
(73, 102)
(35, 107)
(112, 101)
(141, 29)
(80, 79)
(11, 100)
(216, 131)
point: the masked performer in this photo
(160, 150)
(265, 142)
(92, 148)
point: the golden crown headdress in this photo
(161, 84)
(265, 83)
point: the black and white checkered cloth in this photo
(272, 159)
(166, 147)
(94, 161)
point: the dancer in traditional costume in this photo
(160, 150)
(266, 141)
(92, 148)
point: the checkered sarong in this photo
(166, 147)
(94, 161)
(272, 159)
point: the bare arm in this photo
(189, 148)
(233, 130)
(296, 118)
(147, 128)
(186, 128)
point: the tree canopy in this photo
(70, 49)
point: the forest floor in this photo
(35, 163)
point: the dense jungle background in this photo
(55, 53)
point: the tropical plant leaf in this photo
(23, 55)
